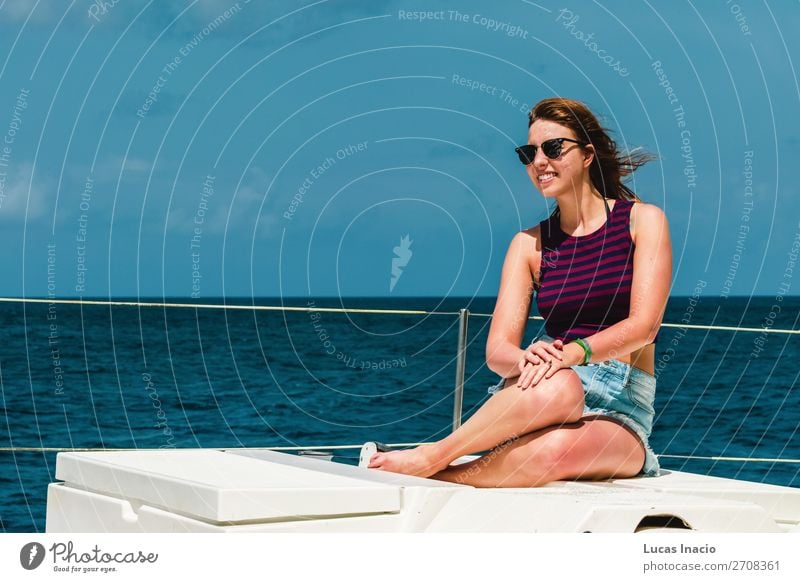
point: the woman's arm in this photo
(652, 279)
(510, 317)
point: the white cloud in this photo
(220, 219)
(108, 169)
(21, 199)
(20, 10)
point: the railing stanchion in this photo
(461, 364)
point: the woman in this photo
(578, 402)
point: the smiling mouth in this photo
(546, 178)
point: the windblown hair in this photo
(609, 165)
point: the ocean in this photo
(155, 377)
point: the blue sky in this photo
(216, 148)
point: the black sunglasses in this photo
(552, 149)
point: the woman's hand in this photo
(541, 360)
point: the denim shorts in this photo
(619, 391)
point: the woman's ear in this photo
(588, 155)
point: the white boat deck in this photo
(203, 490)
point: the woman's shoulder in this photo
(646, 210)
(526, 244)
(534, 232)
(646, 217)
(530, 237)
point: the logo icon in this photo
(550, 257)
(402, 256)
(31, 555)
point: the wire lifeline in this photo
(214, 306)
(346, 310)
(345, 447)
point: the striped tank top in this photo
(585, 281)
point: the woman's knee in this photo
(563, 390)
(577, 454)
(547, 459)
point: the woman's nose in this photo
(540, 160)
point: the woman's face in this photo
(564, 174)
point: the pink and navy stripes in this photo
(585, 281)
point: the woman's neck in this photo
(583, 212)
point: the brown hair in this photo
(609, 165)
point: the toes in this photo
(375, 461)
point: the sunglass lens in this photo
(526, 154)
(552, 148)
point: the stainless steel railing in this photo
(463, 325)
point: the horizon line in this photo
(213, 297)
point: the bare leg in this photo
(510, 413)
(596, 448)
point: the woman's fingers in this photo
(545, 349)
(544, 357)
(532, 375)
(524, 378)
(524, 373)
(536, 375)
(532, 358)
(560, 363)
(541, 360)
(526, 360)
(555, 367)
(521, 376)
(541, 372)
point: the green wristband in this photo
(587, 350)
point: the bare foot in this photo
(421, 461)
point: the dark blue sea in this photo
(150, 377)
